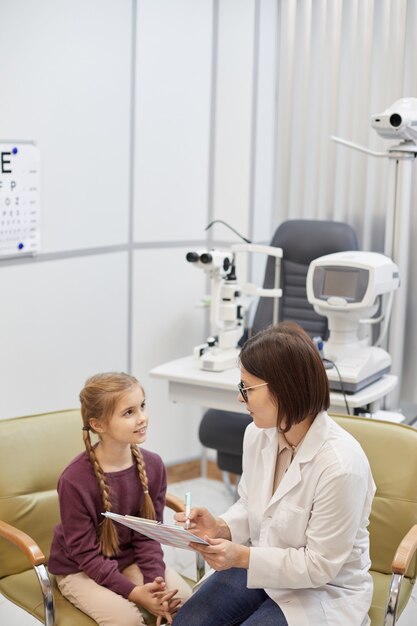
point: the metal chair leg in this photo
(201, 566)
(48, 596)
(392, 604)
(232, 489)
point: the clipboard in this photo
(167, 534)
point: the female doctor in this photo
(294, 549)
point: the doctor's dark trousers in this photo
(224, 600)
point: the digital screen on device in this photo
(342, 283)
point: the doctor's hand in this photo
(222, 554)
(202, 523)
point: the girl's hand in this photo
(154, 598)
(202, 522)
(222, 554)
(170, 605)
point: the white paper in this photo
(175, 536)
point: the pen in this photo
(187, 509)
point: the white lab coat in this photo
(309, 541)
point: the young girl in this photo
(294, 549)
(112, 572)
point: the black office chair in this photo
(301, 242)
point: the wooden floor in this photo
(192, 469)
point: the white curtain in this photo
(338, 62)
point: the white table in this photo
(188, 384)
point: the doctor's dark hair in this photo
(99, 398)
(286, 358)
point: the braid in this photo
(148, 509)
(98, 399)
(109, 539)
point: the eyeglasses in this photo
(244, 390)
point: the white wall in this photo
(64, 315)
(167, 325)
(172, 135)
(65, 83)
(142, 111)
(61, 321)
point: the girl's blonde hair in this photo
(98, 400)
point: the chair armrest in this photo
(25, 543)
(405, 552)
(399, 566)
(37, 558)
(33, 552)
(174, 503)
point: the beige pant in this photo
(108, 608)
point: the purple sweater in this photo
(75, 547)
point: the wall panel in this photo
(167, 324)
(60, 322)
(65, 83)
(234, 101)
(172, 119)
(264, 120)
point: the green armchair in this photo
(33, 452)
(392, 453)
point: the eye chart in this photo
(19, 199)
